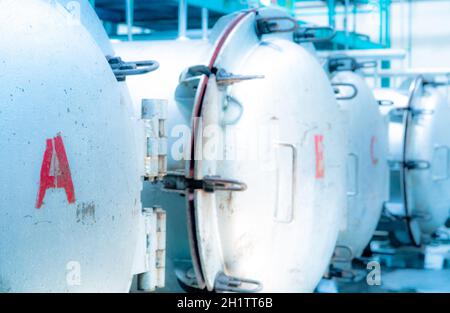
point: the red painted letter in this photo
(373, 142)
(320, 166)
(55, 162)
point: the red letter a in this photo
(55, 162)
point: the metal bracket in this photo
(123, 69)
(337, 91)
(310, 34)
(225, 283)
(346, 63)
(179, 183)
(270, 25)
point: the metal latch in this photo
(414, 112)
(417, 165)
(345, 63)
(179, 183)
(223, 77)
(155, 254)
(410, 165)
(225, 283)
(269, 25)
(123, 69)
(154, 115)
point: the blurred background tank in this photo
(367, 165)
(419, 151)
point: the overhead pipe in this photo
(182, 19)
(130, 18)
(205, 18)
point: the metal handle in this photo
(309, 34)
(447, 165)
(354, 191)
(232, 102)
(269, 25)
(294, 184)
(346, 63)
(337, 91)
(123, 69)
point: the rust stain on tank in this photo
(227, 204)
(86, 213)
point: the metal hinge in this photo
(179, 183)
(123, 69)
(154, 115)
(155, 254)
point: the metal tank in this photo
(71, 178)
(255, 187)
(419, 153)
(367, 165)
(80, 11)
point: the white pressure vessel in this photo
(70, 175)
(419, 152)
(257, 147)
(367, 164)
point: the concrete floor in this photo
(397, 280)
